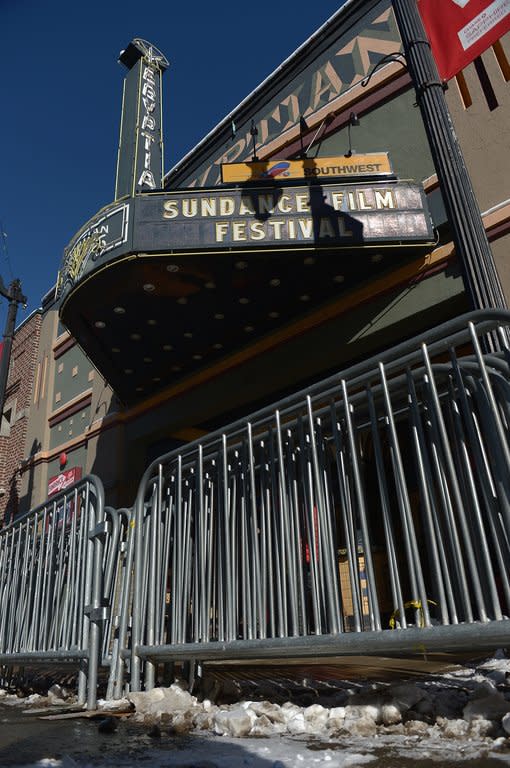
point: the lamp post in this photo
(14, 296)
(472, 247)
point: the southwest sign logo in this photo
(371, 164)
(280, 169)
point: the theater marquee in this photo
(332, 216)
(327, 215)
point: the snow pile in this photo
(469, 704)
(57, 696)
(448, 718)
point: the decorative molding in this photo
(497, 221)
(431, 183)
(62, 344)
(70, 408)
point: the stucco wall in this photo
(483, 134)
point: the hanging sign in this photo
(372, 164)
(461, 30)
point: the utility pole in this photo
(481, 279)
(14, 296)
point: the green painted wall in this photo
(69, 428)
(395, 127)
(72, 371)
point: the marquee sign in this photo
(333, 215)
(250, 218)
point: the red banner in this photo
(460, 30)
(63, 480)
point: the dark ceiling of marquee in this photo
(147, 323)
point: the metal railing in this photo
(374, 502)
(369, 514)
(117, 565)
(51, 585)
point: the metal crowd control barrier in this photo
(51, 585)
(368, 514)
(117, 564)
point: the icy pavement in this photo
(458, 718)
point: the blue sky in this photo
(61, 90)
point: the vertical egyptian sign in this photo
(140, 158)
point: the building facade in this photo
(193, 300)
(21, 396)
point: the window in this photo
(8, 418)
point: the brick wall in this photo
(18, 399)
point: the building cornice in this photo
(70, 408)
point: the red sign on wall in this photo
(63, 480)
(460, 30)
